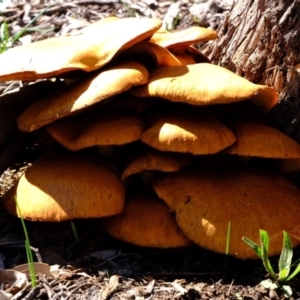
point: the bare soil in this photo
(97, 266)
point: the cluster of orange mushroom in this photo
(155, 140)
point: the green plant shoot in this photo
(228, 238)
(75, 233)
(28, 249)
(227, 243)
(6, 40)
(284, 264)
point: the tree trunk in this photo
(260, 40)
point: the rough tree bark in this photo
(260, 40)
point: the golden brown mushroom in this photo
(151, 55)
(255, 138)
(102, 128)
(187, 132)
(81, 94)
(146, 222)
(204, 84)
(66, 186)
(88, 51)
(206, 200)
(152, 161)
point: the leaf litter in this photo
(96, 266)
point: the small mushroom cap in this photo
(164, 57)
(151, 55)
(204, 84)
(152, 161)
(206, 200)
(83, 93)
(102, 128)
(255, 138)
(65, 187)
(54, 56)
(191, 35)
(191, 132)
(146, 222)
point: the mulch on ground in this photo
(97, 266)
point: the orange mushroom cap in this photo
(205, 200)
(102, 128)
(151, 55)
(81, 94)
(152, 161)
(196, 132)
(255, 138)
(66, 186)
(146, 222)
(88, 51)
(204, 84)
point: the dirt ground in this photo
(96, 266)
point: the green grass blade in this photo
(4, 33)
(28, 249)
(75, 233)
(285, 259)
(264, 240)
(227, 243)
(30, 264)
(228, 238)
(6, 41)
(296, 272)
(4, 36)
(253, 246)
(21, 32)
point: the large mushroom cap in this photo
(146, 222)
(66, 187)
(102, 128)
(203, 84)
(254, 138)
(86, 92)
(206, 200)
(88, 51)
(188, 132)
